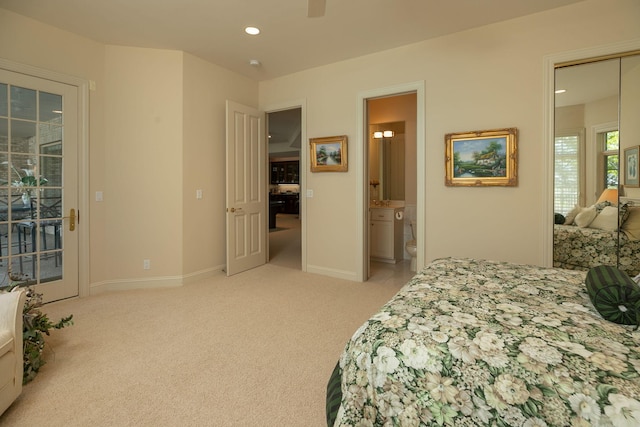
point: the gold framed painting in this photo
(482, 158)
(329, 154)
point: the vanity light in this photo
(253, 31)
(561, 91)
(383, 134)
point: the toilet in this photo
(411, 248)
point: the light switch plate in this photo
(309, 193)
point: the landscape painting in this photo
(481, 158)
(328, 154)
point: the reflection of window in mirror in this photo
(608, 141)
(569, 171)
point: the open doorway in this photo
(390, 146)
(284, 129)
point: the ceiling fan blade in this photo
(316, 8)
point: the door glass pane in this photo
(4, 134)
(4, 101)
(31, 166)
(23, 103)
(23, 136)
(50, 205)
(50, 108)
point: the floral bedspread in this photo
(469, 342)
(579, 248)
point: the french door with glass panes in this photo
(38, 185)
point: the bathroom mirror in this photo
(595, 103)
(386, 160)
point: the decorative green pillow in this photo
(334, 394)
(558, 218)
(614, 294)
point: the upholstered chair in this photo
(11, 350)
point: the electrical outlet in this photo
(146, 264)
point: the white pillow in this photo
(606, 220)
(631, 226)
(586, 215)
(572, 215)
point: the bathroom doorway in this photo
(390, 146)
(284, 130)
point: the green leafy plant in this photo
(36, 325)
(27, 181)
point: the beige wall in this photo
(149, 155)
(206, 88)
(486, 78)
(143, 157)
(157, 132)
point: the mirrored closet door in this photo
(596, 189)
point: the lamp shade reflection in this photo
(609, 195)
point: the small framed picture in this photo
(482, 158)
(631, 175)
(329, 154)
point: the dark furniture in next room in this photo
(290, 200)
(275, 206)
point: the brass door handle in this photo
(234, 210)
(72, 219)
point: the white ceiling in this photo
(290, 41)
(586, 83)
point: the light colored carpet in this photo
(255, 349)
(285, 242)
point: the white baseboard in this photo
(151, 283)
(338, 274)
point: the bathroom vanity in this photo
(386, 233)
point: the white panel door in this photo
(246, 203)
(38, 184)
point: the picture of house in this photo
(480, 158)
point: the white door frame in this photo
(304, 166)
(362, 203)
(82, 225)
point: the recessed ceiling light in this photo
(252, 31)
(254, 62)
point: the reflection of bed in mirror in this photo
(590, 238)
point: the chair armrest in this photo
(11, 307)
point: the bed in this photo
(472, 342)
(596, 243)
(578, 248)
